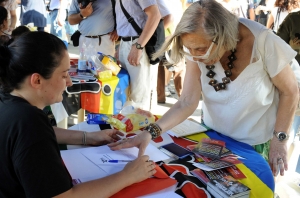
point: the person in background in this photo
(168, 17)
(11, 6)
(33, 13)
(245, 97)
(263, 10)
(241, 8)
(4, 37)
(58, 14)
(101, 37)
(246, 9)
(132, 54)
(70, 29)
(232, 6)
(165, 70)
(280, 11)
(16, 33)
(34, 74)
(188, 3)
(289, 31)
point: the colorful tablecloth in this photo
(257, 170)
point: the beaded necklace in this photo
(220, 86)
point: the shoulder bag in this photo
(156, 40)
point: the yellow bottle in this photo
(110, 64)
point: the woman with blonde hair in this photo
(244, 75)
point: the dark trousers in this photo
(178, 78)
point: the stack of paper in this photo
(185, 128)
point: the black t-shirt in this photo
(30, 161)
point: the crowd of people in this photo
(221, 51)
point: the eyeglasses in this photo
(190, 57)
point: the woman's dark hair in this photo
(3, 14)
(19, 31)
(283, 5)
(288, 5)
(32, 52)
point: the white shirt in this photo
(278, 19)
(246, 110)
(135, 8)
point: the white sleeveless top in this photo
(246, 110)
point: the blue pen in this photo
(117, 161)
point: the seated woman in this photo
(34, 74)
(243, 71)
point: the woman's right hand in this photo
(139, 169)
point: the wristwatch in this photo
(138, 46)
(82, 16)
(281, 136)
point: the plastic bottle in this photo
(82, 64)
(109, 63)
(103, 73)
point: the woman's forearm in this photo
(178, 113)
(65, 136)
(286, 111)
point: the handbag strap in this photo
(131, 20)
(277, 17)
(113, 3)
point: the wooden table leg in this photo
(63, 124)
(81, 115)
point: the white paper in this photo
(185, 128)
(124, 154)
(79, 166)
(99, 157)
(166, 139)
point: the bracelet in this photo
(154, 130)
(84, 138)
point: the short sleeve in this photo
(74, 8)
(146, 3)
(36, 159)
(163, 8)
(277, 54)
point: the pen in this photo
(117, 161)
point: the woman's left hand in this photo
(103, 137)
(140, 141)
(278, 156)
